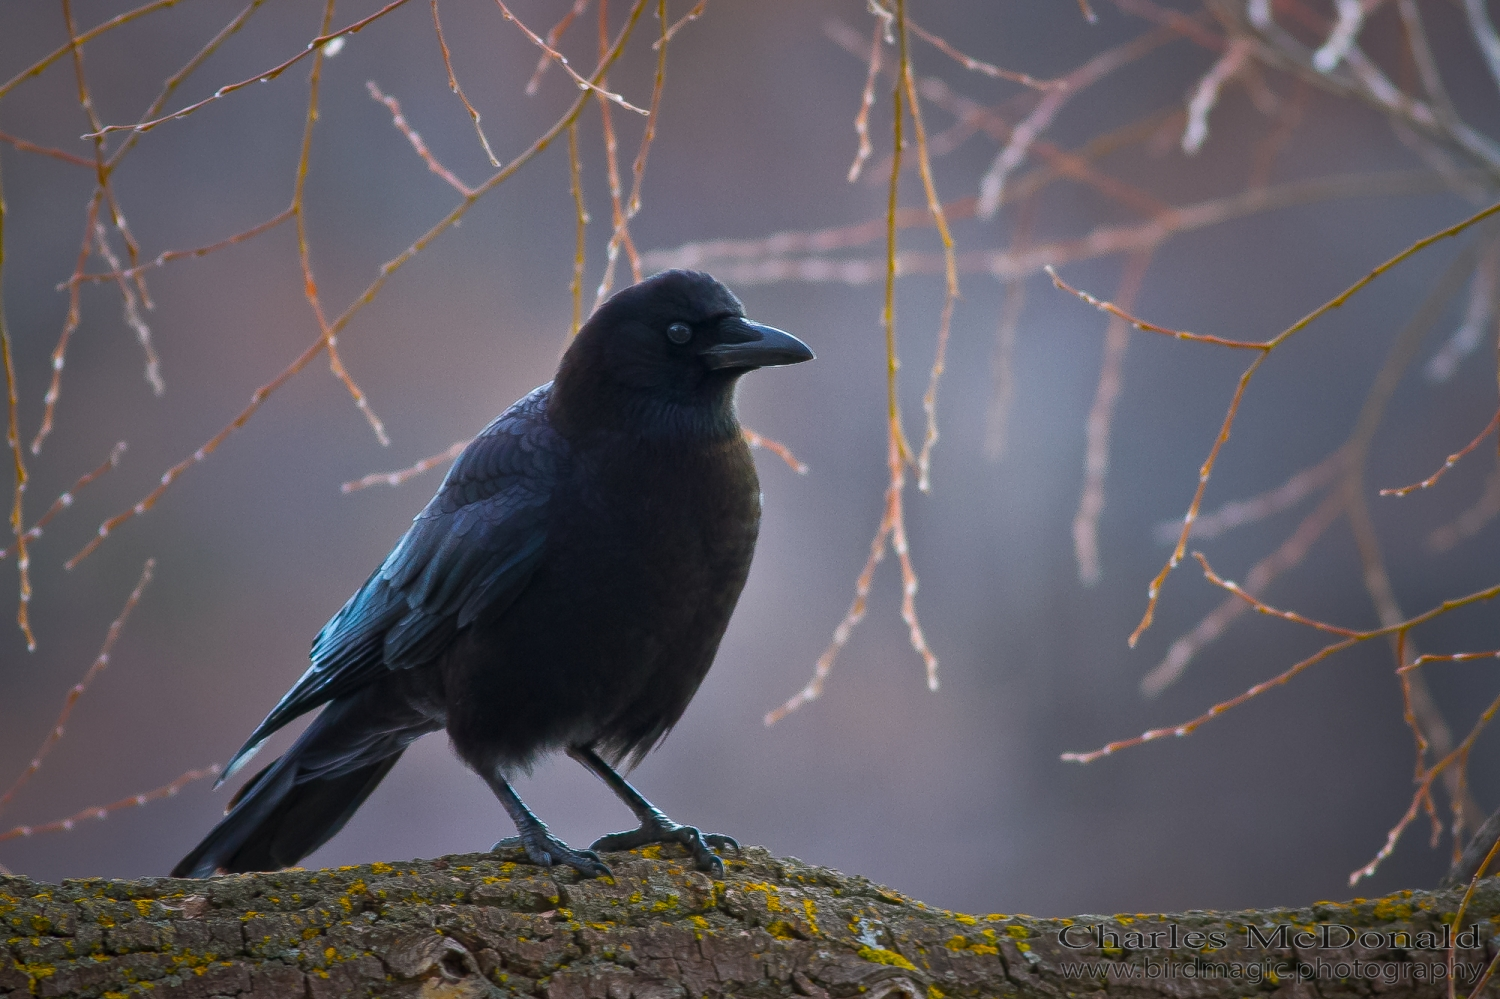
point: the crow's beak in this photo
(744, 344)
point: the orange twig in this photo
(410, 472)
(777, 448)
(1261, 575)
(368, 295)
(950, 272)
(168, 256)
(1120, 313)
(866, 101)
(682, 22)
(1247, 511)
(1101, 417)
(104, 811)
(453, 86)
(1459, 755)
(36, 68)
(1453, 459)
(66, 499)
(57, 154)
(1355, 637)
(13, 439)
(304, 254)
(562, 61)
(78, 690)
(553, 37)
(1472, 520)
(313, 46)
(976, 65)
(581, 217)
(1260, 607)
(415, 138)
(1153, 592)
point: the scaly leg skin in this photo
(655, 826)
(544, 849)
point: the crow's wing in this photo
(469, 552)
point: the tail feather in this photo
(296, 804)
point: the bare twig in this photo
(412, 136)
(66, 499)
(13, 440)
(368, 295)
(104, 811)
(410, 472)
(1101, 416)
(1453, 459)
(484, 141)
(562, 60)
(81, 687)
(315, 46)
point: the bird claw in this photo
(546, 850)
(697, 843)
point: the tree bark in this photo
(492, 924)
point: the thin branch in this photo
(777, 448)
(1453, 459)
(992, 184)
(1122, 313)
(410, 472)
(415, 138)
(104, 811)
(866, 101)
(554, 35)
(368, 295)
(1351, 19)
(1153, 592)
(1206, 95)
(13, 439)
(1287, 556)
(304, 253)
(36, 68)
(66, 499)
(1426, 63)
(1097, 429)
(57, 154)
(1472, 520)
(979, 66)
(1479, 313)
(1237, 513)
(682, 22)
(950, 276)
(1354, 638)
(581, 217)
(81, 687)
(313, 47)
(484, 141)
(562, 60)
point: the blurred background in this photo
(956, 797)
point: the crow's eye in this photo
(679, 333)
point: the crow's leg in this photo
(541, 846)
(655, 826)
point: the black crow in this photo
(566, 588)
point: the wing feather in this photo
(469, 552)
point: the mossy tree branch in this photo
(491, 925)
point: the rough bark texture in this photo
(492, 925)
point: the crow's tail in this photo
(297, 803)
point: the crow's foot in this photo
(667, 831)
(546, 850)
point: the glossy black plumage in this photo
(566, 588)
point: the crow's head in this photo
(680, 336)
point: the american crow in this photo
(566, 588)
